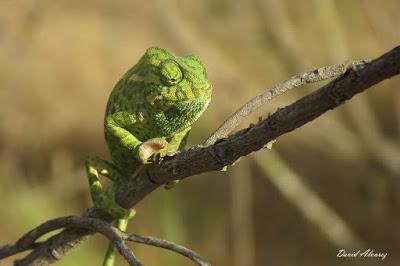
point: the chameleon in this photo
(149, 113)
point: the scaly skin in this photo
(150, 110)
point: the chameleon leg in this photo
(177, 143)
(141, 150)
(104, 198)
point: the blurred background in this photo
(332, 184)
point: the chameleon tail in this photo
(109, 258)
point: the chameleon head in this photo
(173, 80)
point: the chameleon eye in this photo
(171, 72)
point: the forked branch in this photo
(28, 241)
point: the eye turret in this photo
(171, 72)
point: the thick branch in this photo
(226, 151)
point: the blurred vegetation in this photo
(60, 59)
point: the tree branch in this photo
(226, 151)
(319, 74)
(27, 241)
(91, 224)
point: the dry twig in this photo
(27, 241)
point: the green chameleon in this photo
(150, 111)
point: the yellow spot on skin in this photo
(104, 172)
(136, 78)
(154, 61)
(169, 95)
(189, 93)
(140, 116)
(149, 78)
(92, 171)
(152, 98)
(132, 119)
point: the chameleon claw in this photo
(148, 148)
(172, 153)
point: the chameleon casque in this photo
(150, 111)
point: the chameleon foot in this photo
(150, 147)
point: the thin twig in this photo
(319, 74)
(27, 241)
(148, 240)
